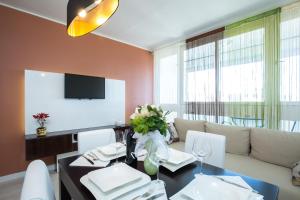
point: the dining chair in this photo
(217, 156)
(91, 139)
(37, 183)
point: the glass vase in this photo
(150, 167)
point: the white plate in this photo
(108, 158)
(174, 168)
(114, 177)
(178, 157)
(207, 187)
(110, 150)
(114, 194)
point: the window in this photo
(241, 76)
(233, 74)
(290, 68)
(200, 73)
(290, 61)
(168, 80)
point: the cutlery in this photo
(89, 160)
(235, 184)
(155, 196)
(93, 155)
(186, 197)
(146, 194)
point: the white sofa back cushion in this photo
(217, 142)
(276, 147)
(237, 138)
(37, 183)
(183, 125)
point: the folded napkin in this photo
(152, 188)
(82, 162)
(209, 187)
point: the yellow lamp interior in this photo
(93, 19)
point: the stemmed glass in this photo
(201, 150)
(120, 138)
(161, 155)
(124, 137)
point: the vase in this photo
(41, 131)
(149, 166)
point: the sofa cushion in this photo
(182, 126)
(274, 174)
(296, 174)
(178, 146)
(173, 133)
(237, 138)
(277, 147)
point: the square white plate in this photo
(114, 177)
(174, 168)
(108, 158)
(118, 192)
(178, 157)
(110, 150)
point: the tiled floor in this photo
(11, 190)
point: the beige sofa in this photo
(263, 154)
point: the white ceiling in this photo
(150, 24)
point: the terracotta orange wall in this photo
(29, 42)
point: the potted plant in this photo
(41, 118)
(150, 127)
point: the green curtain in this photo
(272, 67)
(267, 110)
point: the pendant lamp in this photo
(84, 16)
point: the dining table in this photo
(70, 186)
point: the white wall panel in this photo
(44, 92)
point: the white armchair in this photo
(217, 143)
(91, 139)
(37, 183)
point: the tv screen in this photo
(84, 87)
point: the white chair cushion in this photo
(217, 144)
(91, 139)
(37, 183)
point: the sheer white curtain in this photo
(242, 76)
(167, 79)
(290, 67)
(200, 83)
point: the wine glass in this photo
(118, 146)
(124, 137)
(201, 150)
(161, 156)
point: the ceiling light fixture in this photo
(82, 13)
(84, 16)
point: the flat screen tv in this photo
(84, 87)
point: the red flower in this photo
(41, 116)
